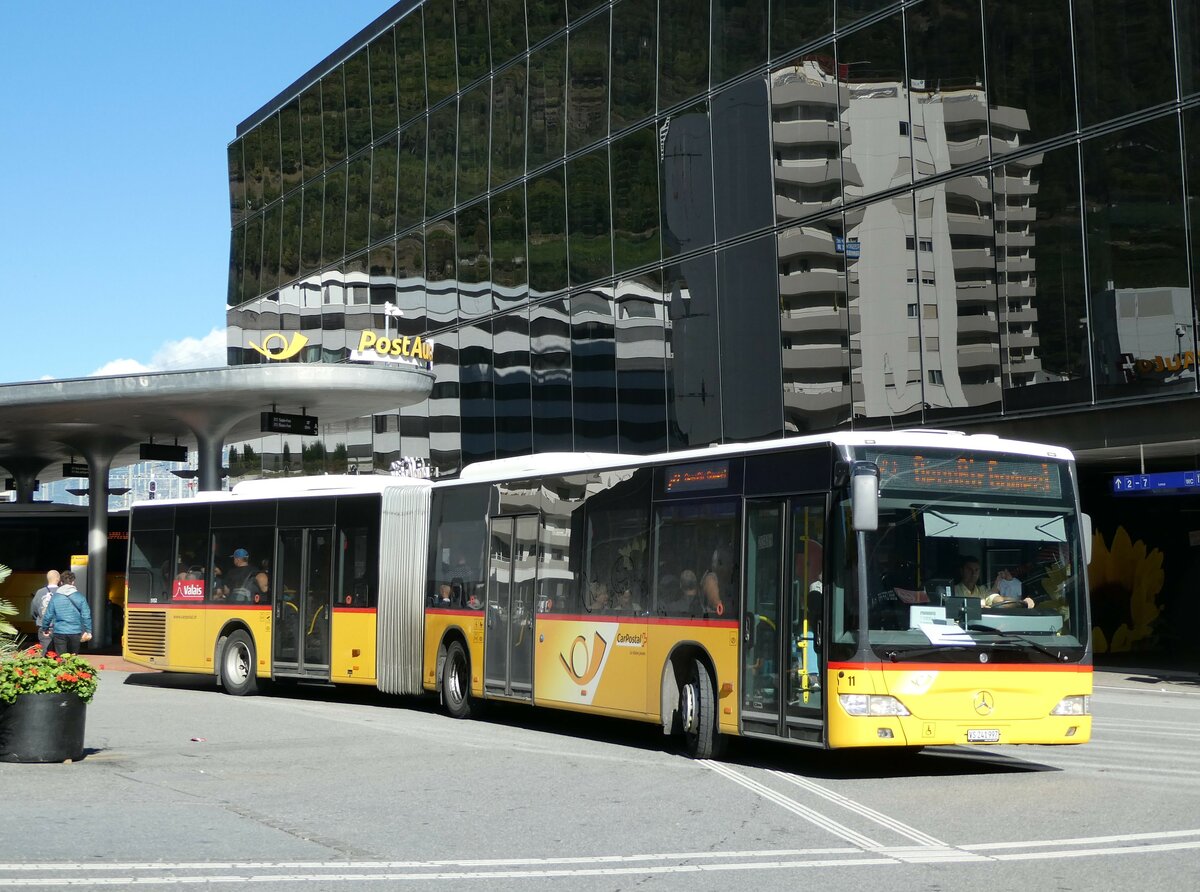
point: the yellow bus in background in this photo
(806, 590)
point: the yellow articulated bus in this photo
(905, 589)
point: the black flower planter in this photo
(42, 728)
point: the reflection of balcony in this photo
(797, 133)
(808, 173)
(981, 294)
(1017, 289)
(977, 356)
(1024, 315)
(964, 108)
(974, 326)
(1016, 119)
(1023, 264)
(805, 240)
(814, 402)
(1014, 240)
(1016, 186)
(1023, 340)
(969, 224)
(981, 394)
(812, 282)
(974, 188)
(1019, 214)
(812, 320)
(792, 90)
(968, 151)
(790, 209)
(813, 357)
(972, 258)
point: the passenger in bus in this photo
(687, 600)
(241, 582)
(1007, 591)
(597, 598)
(710, 588)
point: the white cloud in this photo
(186, 353)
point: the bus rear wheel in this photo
(236, 665)
(456, 681)
(698, 715)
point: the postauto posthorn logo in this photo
(286, 350)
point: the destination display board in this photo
(967, 472)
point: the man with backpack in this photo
(37, 607)
(70, 616)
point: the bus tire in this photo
(236, 665)
(698, 715)
(456, 681)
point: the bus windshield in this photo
(974, 552)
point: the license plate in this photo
(983, 735)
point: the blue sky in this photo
(114, 217)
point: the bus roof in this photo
(550, 463)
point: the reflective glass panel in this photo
(634, 60)
(590, 228)
(751, 377)
(441, 281)
(289, 251)
(683, 50)
(741, 144)
(739, 37)
(471, 36)
(807, 130)
(477, 398)
(310, 232)
(445, 437)
(1188, 35)
(311, 139)
(1043, 308)
(547, 103)
(333, 116)
(253, 264)
(410, 281)
(383, 189)
(508, 124)
(333, 242)
(237, 268)
(272, 173)
(440, 55)
(885, 315)
(237, 182)
(949, 103)
(961, 346)
(641, 364)
(510, 270)
(289, 139)
(473, 147)
(254, 170)
(587, 91)
(1031, 81)
(545, 17)
(577, 9)
(547, 233)
(507, 18)
(797, 23)
(512, 381)
(850, 11)
(270, 252)
(550, 348)
(358, 102)
(815, 326)
(875, 94)
(1123, 56)
(383, 84)
(1141, 305)
(636, 222)
(593, 363)
(474, 262)
(358, 203)
(443, 142)
(686, 186)
(410, 175)
(693, 378)
(410, 66)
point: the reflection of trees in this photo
(683, 43)
(634, 44)
(635, 200)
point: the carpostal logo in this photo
(583, 663)
(286, 351)
(630, 639)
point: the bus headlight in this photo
(1076, 704)
(872, 704)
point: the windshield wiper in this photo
(896, 656)
(1011, 638)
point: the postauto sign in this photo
(372, 347)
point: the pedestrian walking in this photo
(41, 600)
(69, 615)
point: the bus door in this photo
(302, 602)
(512, 581)
(782, 622)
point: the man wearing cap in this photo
(240, 579)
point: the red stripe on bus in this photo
(989, 666)
(447, 611)
(634, 619)
(337, 609)
(188, 605)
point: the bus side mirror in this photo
(1085, 531)
(864, 496)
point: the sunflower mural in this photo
(1125, 581)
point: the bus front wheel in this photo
(456, 681)
(698, 715)
(237, 664)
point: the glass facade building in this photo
(646, 225)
